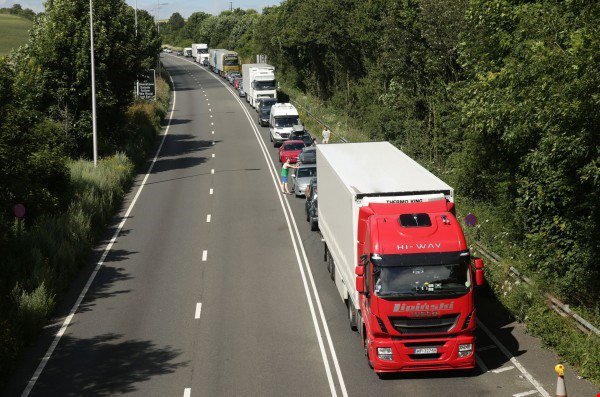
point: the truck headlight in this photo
(384, 353)
(465, 350)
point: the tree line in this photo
(499, 97)
(17, 9)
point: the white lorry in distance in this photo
(199, 52)
(259, 82)
(281, 122)
(187, 52)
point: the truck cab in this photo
(281, 122)
(415, 280)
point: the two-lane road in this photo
(215, 285)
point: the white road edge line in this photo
(273, 172)
(198, 310)
(68, 319)
(187, 392)
(204, 255)
(525, 393)
(513, 360)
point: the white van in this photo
(283, 117)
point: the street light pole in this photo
(136, 18)
(94, 127)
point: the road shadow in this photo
(181, 151)
(104, 365)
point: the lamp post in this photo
(158, 4)
(94, 126)
(136, 18)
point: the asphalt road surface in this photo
(210, 283)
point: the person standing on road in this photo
(284, 176)
(326, 134)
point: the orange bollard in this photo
(561, 389)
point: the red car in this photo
(237, 82)
(290, 150)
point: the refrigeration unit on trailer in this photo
(398, 257)
(259, 82)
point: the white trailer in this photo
(352, 175)
(259, 82)
(199, 52)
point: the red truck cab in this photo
(415, 280)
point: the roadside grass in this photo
(14, 32)
(42, 260)
(527, 304)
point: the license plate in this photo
(426, 350)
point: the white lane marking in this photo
(211, 116)
(213, 142)
(208, 218)
(212, 170)
(481, 364)
(198, 310)
(213, 132)
(273, 173)
(503, 369)
(210, 110)
(484, 348)
(525, 393)
(204, 255)
(212, 123)
(100, 263)
(513, 360)
(211, 191)
(213, 155)
(187, 392)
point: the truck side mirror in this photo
(479, 277)
(360, 279)
(451, 207)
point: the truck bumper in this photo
(404, 358)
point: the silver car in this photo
(302, 178)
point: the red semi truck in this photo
(398, 257)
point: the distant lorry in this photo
(187, 52)
(222, 61)
(284, 116)
(199, 52)
(398, 257)
(259, 82)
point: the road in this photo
(215, 286)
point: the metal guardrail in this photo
(554, 303)
(342, 138)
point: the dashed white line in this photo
(187, 392)
(503, 369)
(213, 155)
(208, 218)
(212, 132)
(212, 123)
(212, 170)
(210, 191)
(204, 255)
(210, 110)
(211, 116)
(198, 310)
(525, 393)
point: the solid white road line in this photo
(204, 255)
(513, 360)
(481, 364)
(187, 392)
(198, 310)
(525, 393)
(68, 319)
(211, 191)
(503, 369)
(290, 219)
(208, 218)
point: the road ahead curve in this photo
(215, 286)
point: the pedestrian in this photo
(326, 134)
(284, 176)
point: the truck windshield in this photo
(286, 121)
(230, 62)
(453, 278)
(202, 50)
(264, 85)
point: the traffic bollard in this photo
(561, 389)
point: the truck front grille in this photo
(412, 325)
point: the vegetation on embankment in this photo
(498, 97)
(45, 150)
(13, 32)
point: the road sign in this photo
(146, 84)
(19, 211)
(470, 220)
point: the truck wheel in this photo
(331, 268)
(351, 315)
(325, 252)
(314, 224)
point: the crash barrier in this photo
(555, 304)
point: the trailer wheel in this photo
(351, 315)
(331, 268)
(325, 253)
